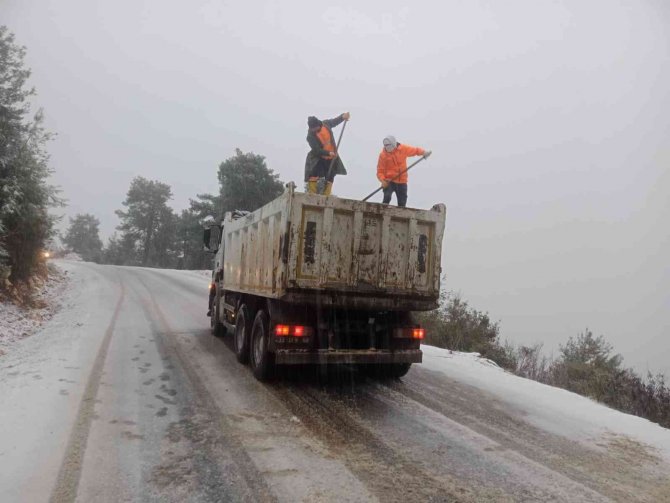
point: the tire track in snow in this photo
(67, 482)
(471, 455)
(225, 450)
(387, 471)
(295, 465)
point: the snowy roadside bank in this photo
(551, 409)
(17, 323)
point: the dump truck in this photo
(313, 279)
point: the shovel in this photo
(396, 177)
(337, 150)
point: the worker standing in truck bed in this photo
(392, 168)
(323, 152)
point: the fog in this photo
(549, 124)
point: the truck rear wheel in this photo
(387, 371)
(242, 329)
(397, 370)
(262, 361)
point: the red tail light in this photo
(282, 330)
(410, 333)
(292, 331)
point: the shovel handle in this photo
(396, 177)
(337, 149)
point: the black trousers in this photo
(320, 170)
(212, 296)
(400, 190)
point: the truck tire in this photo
(397, 370)
(387, 371)
(218, 329)
(262, 360)
(242, 331)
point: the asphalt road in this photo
(132, 399)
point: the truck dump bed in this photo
(307, 248)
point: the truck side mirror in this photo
(211, 237)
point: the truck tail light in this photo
(292, 331)
(410, 333)
(418, 333)
(282, 330)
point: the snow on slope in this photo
(17, 323)
(552, 409)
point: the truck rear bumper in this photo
(347, 356)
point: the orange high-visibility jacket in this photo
(325, 136)
(391, 164)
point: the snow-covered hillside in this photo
(17, 323)
(551, 409)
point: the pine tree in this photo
(191, 224)
(25, 195)
(121, 250)
(587, 366)
(83, 237)
(247, 183)
(148, 221)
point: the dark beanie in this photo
(313, 121)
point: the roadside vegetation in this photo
(152, 234)
(25, 194)
(586, 364)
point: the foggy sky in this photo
(548, 122)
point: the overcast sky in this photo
(549, 122)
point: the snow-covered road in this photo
(125, 396)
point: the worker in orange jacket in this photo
(392, 166)
(323, 153)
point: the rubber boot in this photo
(328, 189)
(311, 186)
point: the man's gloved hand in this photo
(385, 183)
(426, 154)
(332, 155)
(346, 116)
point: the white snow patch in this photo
(72, 256)
(195, 274)
(36, 416)
(553, 409)
(205, 274)
(17, 323)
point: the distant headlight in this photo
(46, 254)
